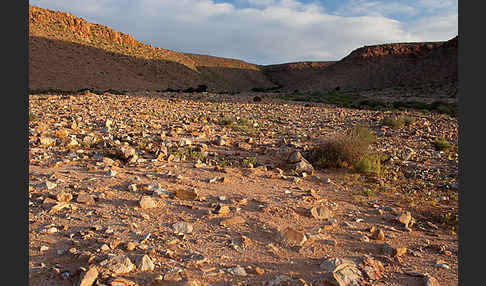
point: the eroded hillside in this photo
(426, 68)
(107, 59)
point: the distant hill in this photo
(69, 53)
(409, 65)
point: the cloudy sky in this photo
(270, 31)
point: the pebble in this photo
(147, 202)
(64, 197)
(238, 270)
(182, 227)
(321, 212)
(293, 237)
(132, 187)
(146, 264)
(119, 264)
(50, 185)
(85, 199)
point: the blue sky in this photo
(270, 31)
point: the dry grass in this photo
(347, 150)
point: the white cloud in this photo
(437, 28)
(377, 8)
(267, 32)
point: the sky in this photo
(270, 31)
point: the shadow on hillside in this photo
(68, 66)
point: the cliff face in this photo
(69, 53)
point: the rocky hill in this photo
(107, 59)
(424, 66)
(69, 53)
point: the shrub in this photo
(370, 164)
(407, 120)
(343, 151)
(243, 125)
(393, 122)
(442, 144)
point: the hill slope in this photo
(107, 59)
(409, 65)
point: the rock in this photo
(237, 270)
(105, 247)
(132, 187)
(112, 173)
(50, 185)
(294, 157)
(343, 275)
(321, 212)
(259, 271)
(378, 235)
(187, 194)
(51, 230)
(88, 278)
(244, 146)
(119, 264)
(131, 246)
(232, 221)
(72, 143)
(145, 264)
(147, 202)
(371, 268)
(182, 227)
(108, 161)
(430, 281)
(118, 281)
(221, 209)
(326, 180)
(59, 206)
(185, 142)
(281, 280)
(393, 251)
(47, 141)
(331, 264)
(193, 282)
(127, 153)
(303, 166)
(158, 190)
(405, 218)
(43, 248)
(85, 199)
(220, 141)
(293, 237)
(64, 197)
